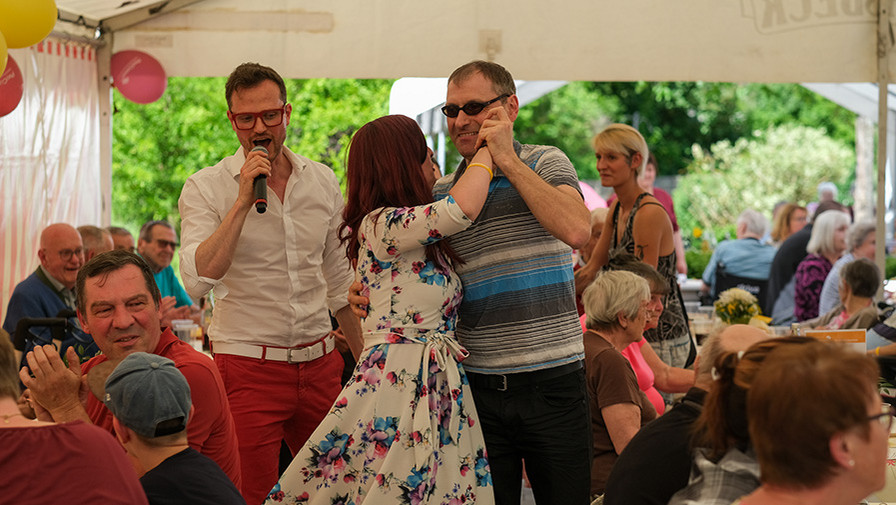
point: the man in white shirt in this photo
(274, 276)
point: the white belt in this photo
(290, 355)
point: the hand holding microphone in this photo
(260, 186)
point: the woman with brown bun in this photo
(818, 426)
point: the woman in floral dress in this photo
(404, 430)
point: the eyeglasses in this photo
(66, 254)
(471, 108)
(885, 418)
(246, 120)
(166, 243)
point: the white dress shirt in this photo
(288, 267)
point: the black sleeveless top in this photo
(673, 321)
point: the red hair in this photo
(384, 170)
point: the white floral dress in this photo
(404, 430)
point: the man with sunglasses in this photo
(50, 289)
(156, 244)
(274, 274)
(518, 317)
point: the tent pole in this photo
(884, 44)
(104, 81)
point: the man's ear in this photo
(83, 321)
(513, 107)
(287, 114)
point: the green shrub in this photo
(697, 261)
(890, 267)
(779, 163)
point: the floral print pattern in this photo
(404, 430)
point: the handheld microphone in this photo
(260, 187)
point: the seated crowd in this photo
(621, 407)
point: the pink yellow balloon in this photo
(11, 87)
(26, 22)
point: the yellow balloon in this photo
(26, 22)
(3, 53)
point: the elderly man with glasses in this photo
(275, 275)
(49, 292)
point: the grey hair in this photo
(822, 239)
(146, 229)
(611, 294)
(858, 234)
(92, 236)
(756, 223)
(827, 187)
(599, 215)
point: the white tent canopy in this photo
(825, 41)
(606, 40)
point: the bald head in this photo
(61, 253)
(734, 338)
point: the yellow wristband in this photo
(877, 351)
(491, 174)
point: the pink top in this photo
(645, 375)
(642, 371)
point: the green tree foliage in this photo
(327, 112)
(567, 118)
(157, 146)
(777, 163)
(673, 116)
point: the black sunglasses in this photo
(471, 108)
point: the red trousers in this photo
(272, 401)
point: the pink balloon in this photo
(10, 87)
(593, 199)
(139, 76)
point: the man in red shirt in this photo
(118, 303)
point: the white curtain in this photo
(49, 154)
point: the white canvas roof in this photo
(603, 40)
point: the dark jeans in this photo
(547, 425)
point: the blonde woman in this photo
(638, 224)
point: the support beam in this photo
(104, 81)
(884, 45)
(111, 22)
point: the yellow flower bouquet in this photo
(736, 306)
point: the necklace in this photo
(7, 416)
